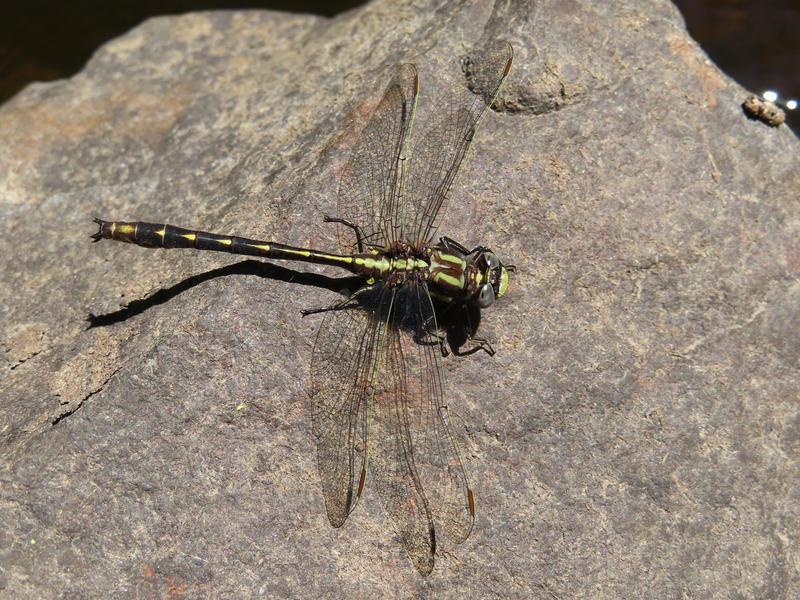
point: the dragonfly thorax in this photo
(477, 276)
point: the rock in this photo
(637, 433)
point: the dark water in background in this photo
(42, 40)
(757, 42)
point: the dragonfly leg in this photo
(440, 339)
(353, 226)
(480, 344)
(451, 244)
(343, 305)
(346, 304)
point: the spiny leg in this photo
(451, 244)
(353, 226)
(343, 305)
(428, 329)
(346, 304)
(482, 344)
(439, 339)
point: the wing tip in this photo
(425, 562)
(510, 59)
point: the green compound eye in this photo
(502, 288)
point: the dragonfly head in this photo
(494, 277)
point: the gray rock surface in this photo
(637, 434)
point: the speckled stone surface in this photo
(637, 433)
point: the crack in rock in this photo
(83, 400)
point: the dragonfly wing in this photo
(392, 470)
(436, 455)
(438, 154)
(342, 364)
(436, 444)
(370, 183)
(414, 461)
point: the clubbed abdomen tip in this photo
(102, 232)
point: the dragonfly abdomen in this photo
(158, 235)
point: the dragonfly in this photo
(377, 383)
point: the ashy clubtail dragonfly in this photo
(377, 386)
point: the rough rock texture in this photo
(637, 434)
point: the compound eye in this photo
(486, 295)
(491, 260)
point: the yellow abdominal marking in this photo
(344, 259)
(189, 236)
(304, 253)
(264, 247)
(162, 232)
(125, 229)
(225, 242)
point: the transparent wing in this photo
(369, 187)
(414, 461)
(392, 470)
(342, 364)
(438, 154)
(435, 446)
